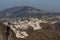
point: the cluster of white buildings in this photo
(16, 26)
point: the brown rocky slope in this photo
(47, 33)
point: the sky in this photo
(48, 5)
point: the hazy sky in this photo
(51, 5)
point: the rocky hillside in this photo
(17, 16)
(46, 33)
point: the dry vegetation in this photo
(47, 33)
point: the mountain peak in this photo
(25, 11)
(19, 11)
